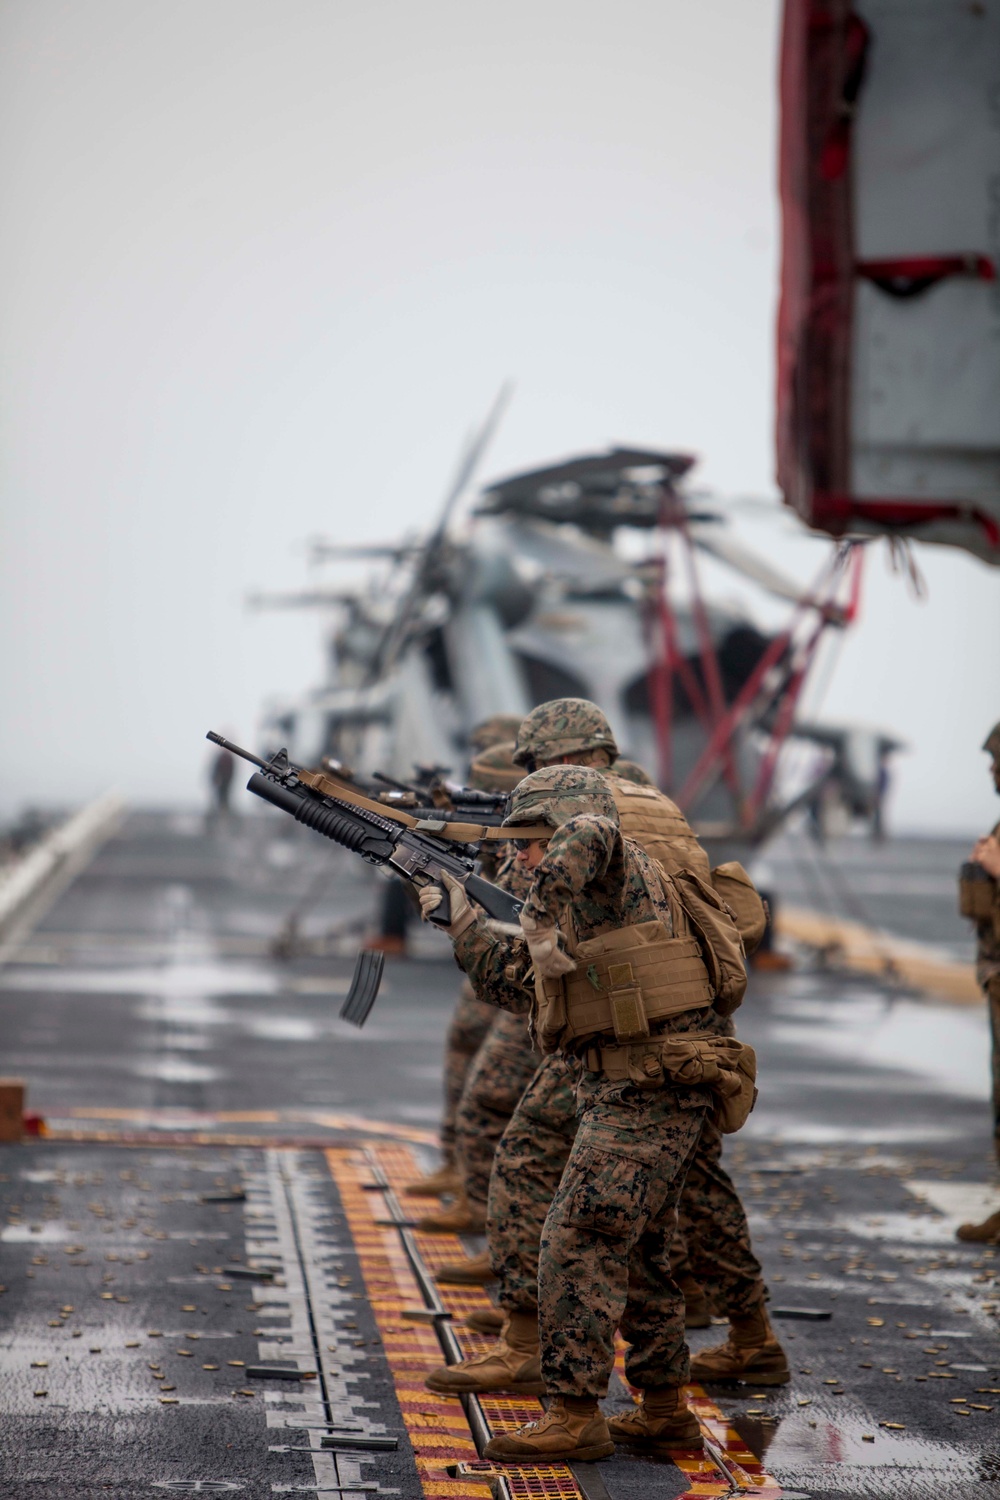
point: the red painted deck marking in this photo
(436, 1425)
(725, 1468)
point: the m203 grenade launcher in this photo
(419, 849)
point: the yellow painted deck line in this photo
(740, 1469)
(870, 950)
(436, 1424)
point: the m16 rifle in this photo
(420, 849)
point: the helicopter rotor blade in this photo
(726, 549)
(468, 463)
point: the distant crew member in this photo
(979, 898)
(221, 775)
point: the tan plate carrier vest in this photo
(650, 818)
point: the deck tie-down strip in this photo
(437, 1425)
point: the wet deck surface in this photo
(146, 1009)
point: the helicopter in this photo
(581, 579)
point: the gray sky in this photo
(262, 265)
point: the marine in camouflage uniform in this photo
(492, 770)
(712, 1246)
(986, 856)
(605, 1248)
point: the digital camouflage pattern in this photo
(563, 726)
(604, 1249)
(498, 729)
(630, 770)
(604, 1258)
(529, 1162)
(497, 1077)
(557, 793)
(501, 1071)
(470, 1023)
(713, 1237)
(493, 770)
(588, 1175)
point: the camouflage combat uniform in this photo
(470, 1025)
(492, 770)
(604, 1258)
(500, 1072)
(712, 1242)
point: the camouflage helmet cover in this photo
(563, 726)
(493, 770)
(630, 770)
(498, 729)
(991, 744)
(555, 794)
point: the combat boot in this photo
(460, 1218)
(488, 1320)
(751, 1352)
(986, 1233)
(697, 1313)
(514, 1364)
(573, 1428)
(446, 1180)
(662, 1423)
(476, 1271)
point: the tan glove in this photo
(543, 945)
(462, 915)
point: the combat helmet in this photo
(563, 726)
(630, 770)
(555, 794)
(493, 770)
(498, 729)
(991, 744)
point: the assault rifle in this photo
(421, 850)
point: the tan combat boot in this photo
(697, 1313)
(662, 1423)
(488, 1320)
(437, 1184)
(476, 1271)
(573, 1428)
(461, 1218)
(513, 1364)
(986, 1233)
(751, 1352)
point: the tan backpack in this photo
(740, 894)
(715, 926)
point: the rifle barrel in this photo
(219, 739)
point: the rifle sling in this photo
(458, 833)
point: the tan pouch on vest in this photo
(721, 1063)
(624, 981)
(977, 893)
(740, 894)
(721, 945)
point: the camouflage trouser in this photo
(604, 1259)
(529, 1166)
(500, 1072)
(713, 1240)
(469, 1025)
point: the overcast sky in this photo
(261, 267)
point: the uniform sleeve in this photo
(578, 854)
(497, 966)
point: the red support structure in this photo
(758, 691)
